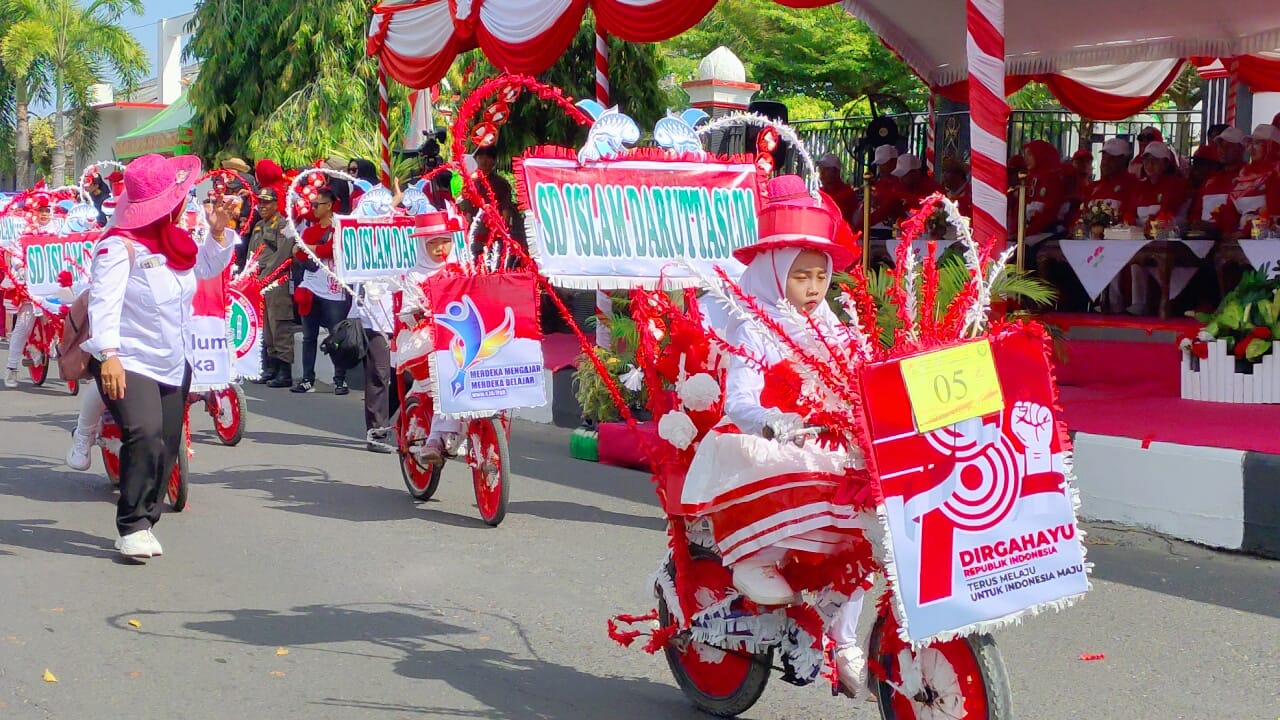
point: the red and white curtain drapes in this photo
(417, 40)
(1103, 92)
(1259, 72)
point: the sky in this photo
(144, 27)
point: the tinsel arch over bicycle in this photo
(924, 426)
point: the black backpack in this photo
(346, 346)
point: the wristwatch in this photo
(106, 355)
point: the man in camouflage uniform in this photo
(276, 240)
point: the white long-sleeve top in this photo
(743, 382)
(141, 310)
(377, 306)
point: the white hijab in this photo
(765, 279)
(426, 266)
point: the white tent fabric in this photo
(1050, 37)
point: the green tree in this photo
(635, 73)
(823, 53)
(1034, 96)
(9, 120)
(42, 146)
(66, 47)
(803, 107)
(283, 79)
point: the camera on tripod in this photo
(430, 150)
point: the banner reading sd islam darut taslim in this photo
(373, 248)
(48, 256)
(624, 223)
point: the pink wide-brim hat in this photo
(153, 186)
(793, 218)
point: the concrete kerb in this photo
(1217, 497)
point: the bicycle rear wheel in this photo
(717, 682)
(422, 479)
(230, 414)
(37, 365)
(178, 483)
(109, 442)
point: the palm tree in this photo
(24, 82)
(64, 47)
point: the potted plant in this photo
(1097, 216)
(590, 388)
(1234, 358)
(937, 225)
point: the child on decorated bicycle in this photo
(434, 232)
(767, 500)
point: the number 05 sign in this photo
(950, 385)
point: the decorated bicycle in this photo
(45, 238)
(465, 345)
(807, 454)
(227, 327)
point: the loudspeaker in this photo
(774, 111)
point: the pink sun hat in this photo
(153, 186)
(794, 218)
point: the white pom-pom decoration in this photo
(677, 429)
(633, 379)
(700, 392)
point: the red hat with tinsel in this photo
(794, 218)
(436, 224)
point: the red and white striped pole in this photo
(602, 67)
(384, 125)
(1233, 90)
(604, 304)
(988, 118)
(930, 132)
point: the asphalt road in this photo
(303, 582)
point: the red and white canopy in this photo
(1105, 59)
(418, 39)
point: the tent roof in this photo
(165, 133)
(1049, 37)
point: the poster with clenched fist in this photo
(981, 519)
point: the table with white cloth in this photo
(1262, 252)
(1097, 262)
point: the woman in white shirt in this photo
(144, 273)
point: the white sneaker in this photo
(156, 550)
(851, 665)
(762, 584)
(136, 545)
(433, 451)
(78, 454)
(11, 379)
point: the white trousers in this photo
(440, 425)
(844, 628)
(22, 327)
(89, 424)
